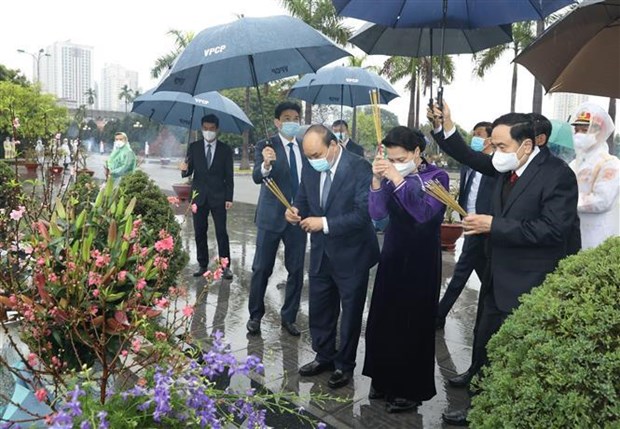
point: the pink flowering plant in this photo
(92, 294)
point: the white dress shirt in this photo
(265, 171)
(323, 177)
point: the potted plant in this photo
(30, 160)
(81, 156)
(183, 190)
(54, 154)
(451, 228)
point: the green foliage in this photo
(10, 189)
(84, 191)
(555, 363)
(366, 134)
(14, 76)
(157, 214)
(38, 113)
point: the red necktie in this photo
(513, 178)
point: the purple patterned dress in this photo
(400, 332)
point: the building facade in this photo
(68, 72)
(113, 78)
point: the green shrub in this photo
(157, 214)
(84, 190)
(10, 188)
(555, 363)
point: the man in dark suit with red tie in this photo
(281, 159)
(534, 207)
(332, 205)
(210, 162)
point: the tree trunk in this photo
(245, 159)
(513, 95)
(612, 112)
(308, 114)
(354, 124)
(537, 97)
(412, 116)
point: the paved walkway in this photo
(224, 307)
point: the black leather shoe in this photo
(456, 418)
(375, 394)
(253, 326)
(291, 328)
(339, 378)
(399, 405)
(461, 380)
(227, 274)
(200, 272)
(440, 322)
(315, 368)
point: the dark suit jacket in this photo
(355, 148)
(351, 244)
(214, 185)
(269, 210)
(529, 232)
(485, 190)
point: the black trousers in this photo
(329, 292)
(472, 258)
(201, 226)
(267, 243)
(490, 319)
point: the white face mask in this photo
(209, 135)
(405, 168)
(118, 144)
(582, 142)
(505, 162)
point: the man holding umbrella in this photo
(281, 159)
(210, 162)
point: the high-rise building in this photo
(565, 104)
(68, 72)
(113, 78)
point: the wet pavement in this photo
(223, 306)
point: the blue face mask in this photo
(477, 143)
(290, 129)
(320, 164)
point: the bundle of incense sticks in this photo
(376, 116)
(275, 190)
(436, 190)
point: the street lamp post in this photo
(37, 58)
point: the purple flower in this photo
(103, 422)
(321, 425)
(85, 425)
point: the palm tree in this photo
(522, 35)
(417, 71)
(91, 94)
(163, 63)
(321, 15)
(537, 96)
(127, 94)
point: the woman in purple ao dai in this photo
(400, 332)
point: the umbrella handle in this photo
(440, 98)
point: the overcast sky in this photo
(133, 34)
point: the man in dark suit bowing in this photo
(282, 160)
(533, 210)
(210, 161)
(341, 131)
(332, 205)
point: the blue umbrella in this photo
(248, 52)
(453, 14)
(348, 86)
(184, 110)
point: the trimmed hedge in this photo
(555, 363)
